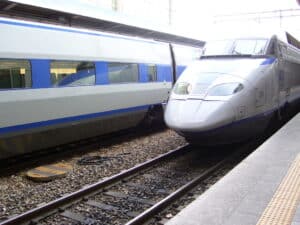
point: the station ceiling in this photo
(37, 13)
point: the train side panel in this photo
(32, 41)
(44, 114)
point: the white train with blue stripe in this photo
(235, 89)
(61, 84)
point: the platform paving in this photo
(242, 196)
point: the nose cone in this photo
(197, 115)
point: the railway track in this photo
(133, 196)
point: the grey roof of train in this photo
(90, 18)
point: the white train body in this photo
(236, 87)
(59, 84)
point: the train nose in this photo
(198, 115)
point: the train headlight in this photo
(225, 89)
(182, 88)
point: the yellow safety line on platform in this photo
(283, 205)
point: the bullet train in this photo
(60, 84)
(236, 88)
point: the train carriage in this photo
(61, 84)
(236, 87)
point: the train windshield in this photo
(236, 47)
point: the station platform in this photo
(264, 189)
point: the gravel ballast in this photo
(18, 194)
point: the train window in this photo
(15, 74)
(244, 47)
(260, 47)
(152, 73)
(252, 47)
(123, 72)
(71, 73)
(221, 47)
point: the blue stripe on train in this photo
(268, 61)
(22, 127)
(179, 71)
(164, 73)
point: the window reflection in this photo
(236, 47)
(70, 73)
(15, 74)
(218, 47)
(123, 72)
(249, 47)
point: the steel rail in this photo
(32, 216)
(158, 207)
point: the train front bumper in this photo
(197, 115)
(211, 122)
